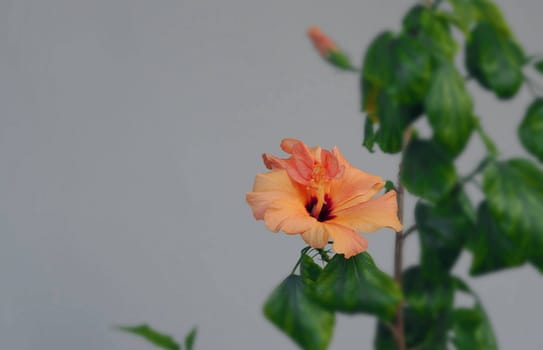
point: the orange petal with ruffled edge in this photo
(289, 215)
(316, 236)
(371, 215)
(269, 188)
(346, 240)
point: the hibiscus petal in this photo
(288, 215)
(354, 187)
(274, 181)
(316, 236)
(371, 215)
(261, 201)
(346, 240)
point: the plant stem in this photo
(399, 334)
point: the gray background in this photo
(130, 132)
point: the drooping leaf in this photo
(412, 70)
(443, 229)
(356, 285)
(539, 66)
(450, 109)
(488, 11)
(492, 249)
(153, 336)
(427, 170)
(514, 192)
(297, 315)
(190, 338)
(309, 269)
(378, 61)
(428, 297)
(421, 333)
(495, 60)
(531, 129)
(465, 13)
(472, 329)
(537, 261)
(369, 135)
(431, 30)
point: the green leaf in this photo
(450, 109)
(431, 30)
(492, 249)
(340, 60)
(537, 261)
(297, 315)
(309, 269)
(443, 230)
(495, 60)
(472, 329)
(357, 285)
(412, 70)
(369, 135)
(514, 192)
(531, 129)
(378, 61)
(428, 297)
(421, 333)
(539, 66)
(162, 341)
(465, 13)
(190, 338)
(427, 170)
(489, 12)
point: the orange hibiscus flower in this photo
(318, 194)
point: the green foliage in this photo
(495, 59)
(539, 66)
(427, 170)
(492, 249)
(309, 269)
(292, 310)
(450, 109)
(472, 329)
(357, 285)
(431, 30)
(156, 338)
(429, 297)
(514, 192)
(443, 229)
(190, 339)
(465, 14)
(531, 129)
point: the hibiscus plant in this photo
(405, 77)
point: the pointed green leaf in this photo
(427, 170)
(378, 61)
(489, 12)
(161, 340)
(421, 333)
(429, 297)
(531, 129)
(431, 30)
(412, 70)
(495, 60)
(293, 312)
(514, 192)
(492, 249)
(472, 330)
(465, 13)
(450, 109)
(309, 269)
(539, 66)
(369, 135)
(190, 339)
(443, 229)
(357, 285)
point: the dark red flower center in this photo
(326, 210)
